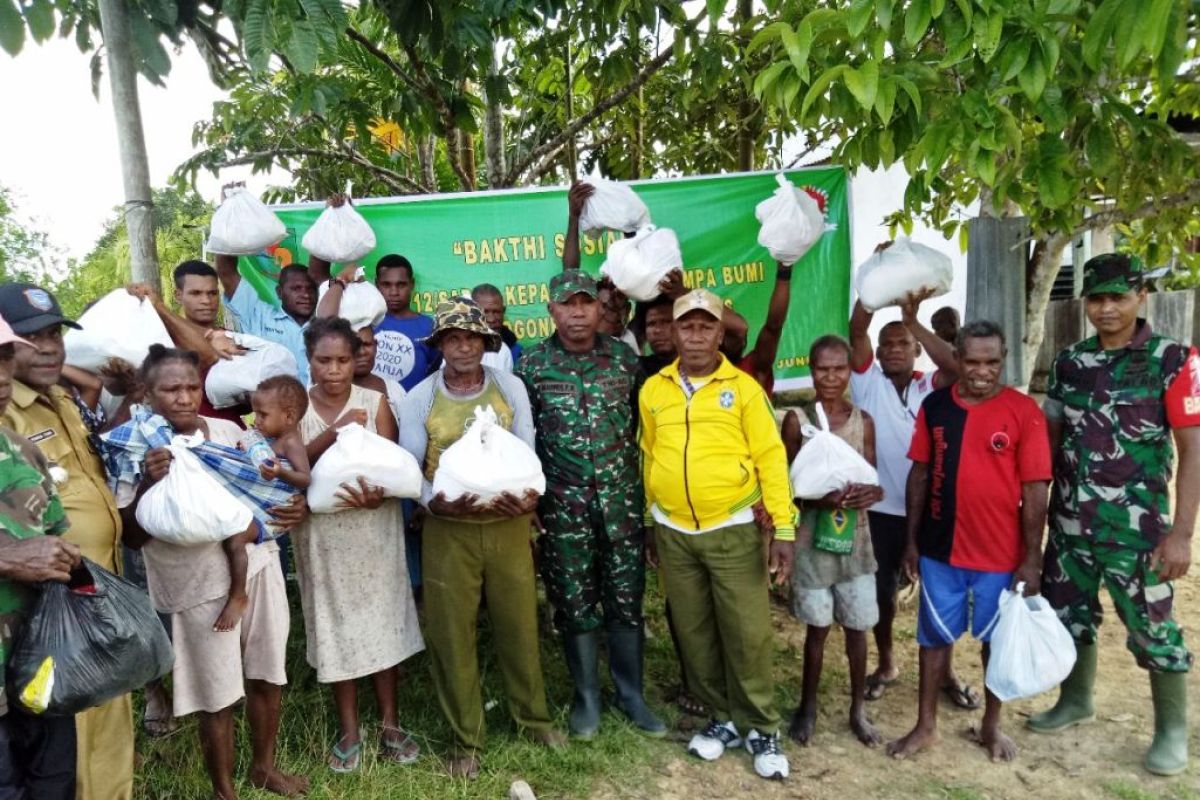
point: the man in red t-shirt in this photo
(976, 498)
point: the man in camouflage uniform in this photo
(1115, 401)
(583, 390)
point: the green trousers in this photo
(461, 561)
(718, 591)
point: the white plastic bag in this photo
(888, 276)
(1032, 651)
(340, 235)
(791, 220)
(826, 463)
(190, 506)
(637, 265)
(243, 226)
(119, 325)
(362, 304)
(612, 206)
(230, 381)
(488, 461)
(358, 452)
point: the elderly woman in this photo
(359, 614)
(472, 549)
(214, 670)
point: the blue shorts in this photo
(953, 596)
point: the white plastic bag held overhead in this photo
(612, 206)
(1032, 651)
(243, 226)
(340, 235)
(792, 222)
(637, 265)
(190, 506)
(488, 461)
(887, 277)
(230, 381)
(360, 453)
(826, 463)
(362, 304)
(119, 325)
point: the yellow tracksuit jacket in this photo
(707, 458)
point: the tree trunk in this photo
(493, 129)
(466, 157)
(637, 149)
(1043, 269)
(426, 153)
(572, 166)
(131, 142)
(747, 108)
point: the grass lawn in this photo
(172, 767)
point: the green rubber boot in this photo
(1168, 753)
(582, 651)
(625, 648)
(1074, 706)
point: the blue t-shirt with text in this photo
(402, 355)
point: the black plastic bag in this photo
(84, 643)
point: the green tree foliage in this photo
(630, 88)
(297, 31)
(180, 217)
(1062, 111)
(25, 251)
(1059, 109)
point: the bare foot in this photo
(804, 720)
(231, 614)
(998, 746)
(867, 733)
(279, 782)
(918, 739)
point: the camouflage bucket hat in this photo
(462, 314)
(571, 282)
(1115, 273)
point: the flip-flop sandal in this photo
(404, 751)
(962, 695)
(350, 758)
(690, 705)
(159, 727)
(876, 686)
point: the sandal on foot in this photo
(876, 686)
(463, 767)
(159, 727)
(690, 705)
(343, 760)
(402, 750)
(962, 695)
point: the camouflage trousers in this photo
(1075, 568)
(592, 577)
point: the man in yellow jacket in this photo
(711, 451)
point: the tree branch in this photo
(604, 106)
(427, 87)
(399, 182)
(1102, 219)
(384, 58)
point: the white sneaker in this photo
(769, 760)
(711, 743)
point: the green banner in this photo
(514, 239)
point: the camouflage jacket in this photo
(29, 507)
(585, 413)
(1113, 466)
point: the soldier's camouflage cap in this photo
(462, 314)
(1115, 273)
(571, 282)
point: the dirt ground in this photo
(1100, 760)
